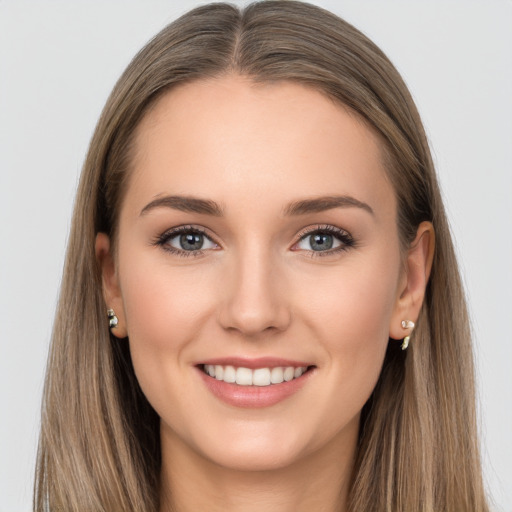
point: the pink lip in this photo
(253, 396)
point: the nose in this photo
(254, 296)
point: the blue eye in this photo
(186, 241)
(191, 241)
(319, 242)
(327, 239)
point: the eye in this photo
(186, 241)
(191, 241)
(325, 239)
(318, 242)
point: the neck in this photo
(318, 481)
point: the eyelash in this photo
(343, 236)
(346, 239)
(163, 239)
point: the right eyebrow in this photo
(185, 204)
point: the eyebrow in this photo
(208, 207)
(185, 204)
(320, 204)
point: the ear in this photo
(110, 283)
(414, 280)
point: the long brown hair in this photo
(99, 447)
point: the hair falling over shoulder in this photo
(99, 446)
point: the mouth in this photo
(265, 376)
(254, 383)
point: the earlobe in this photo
(110, 286)
(411, 292)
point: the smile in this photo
(254, 377)
(254, 383)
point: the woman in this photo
(286, 330)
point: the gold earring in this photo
(407, 324)
(112, 318)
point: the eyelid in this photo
(163, 239)
(346, 239)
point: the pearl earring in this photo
(407, 324)
(112, 318)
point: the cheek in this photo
(360, 336)
(352, 304)
(350, 311)
(162, 303)
(164, 310)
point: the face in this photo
(258, 243)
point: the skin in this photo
(258, 289)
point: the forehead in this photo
(229, 136)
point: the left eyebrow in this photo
(321, 204)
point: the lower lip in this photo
(254, 396)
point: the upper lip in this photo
(253, 363)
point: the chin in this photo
(259, 446)
(255, 459)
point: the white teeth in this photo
(219, 372)
(244, 377)
(229, 374)
(261, 377)
(258, 377)
(276, 375)
(288, 373)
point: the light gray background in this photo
(58, 62)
